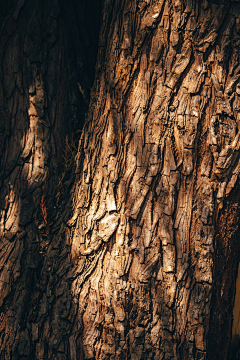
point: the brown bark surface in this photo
(47, 54)
(137, 256)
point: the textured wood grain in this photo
(139, 257)
(162, 152)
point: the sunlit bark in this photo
(139, 258)
(156, 214)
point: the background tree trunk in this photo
(47, 54)
(138, 257)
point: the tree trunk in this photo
(135, 254)
(47, 54)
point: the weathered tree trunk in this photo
(137, 256)
(47, 54)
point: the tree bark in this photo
(47, 54)
(135, 254)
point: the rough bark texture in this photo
(47, 57)
(141, 262)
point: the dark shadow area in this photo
(82, 49)
(6, 7)
(235, 349)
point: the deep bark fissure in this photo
(226, 258)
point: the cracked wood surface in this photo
(141, 259)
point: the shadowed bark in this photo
(47, 54)
(134, 253)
